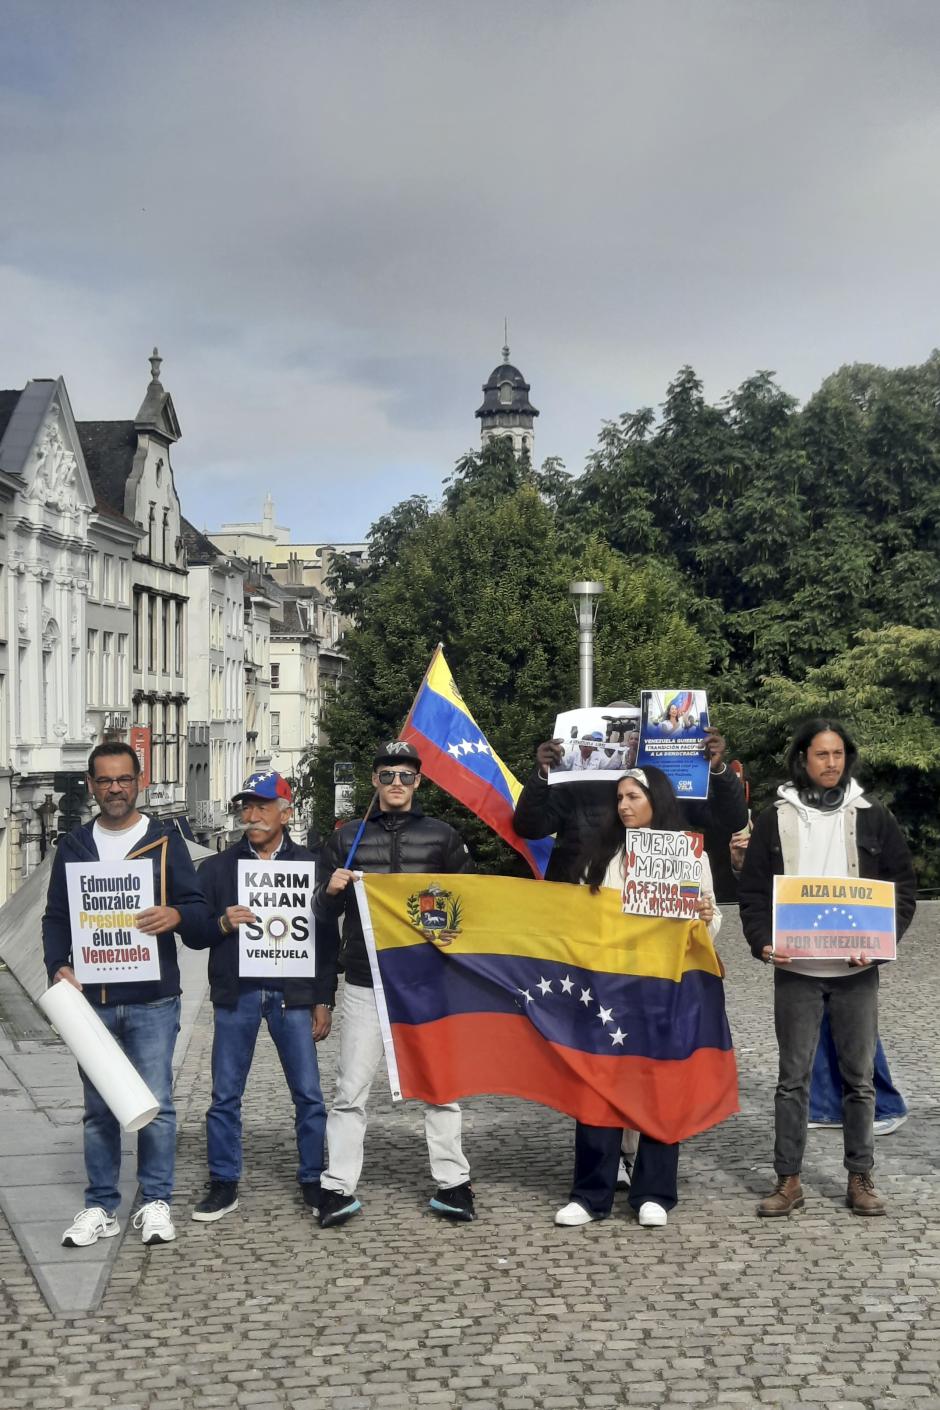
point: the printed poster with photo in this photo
(280, 943)
(833, 917)
(672, 738)
(662, 873)
(598, 743)
(105, 899)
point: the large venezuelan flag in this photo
(490, 985)
(456, 756)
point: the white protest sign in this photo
(104, 901)
(280, 945)
(662, 873)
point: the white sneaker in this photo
(652, 1216)
(574, 1213)
(887, 1124)
(154, 1221)
(90, 1225)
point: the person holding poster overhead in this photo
(644, 800)
(822, 825)
(265, 962)
(574, 812)
(124, 960)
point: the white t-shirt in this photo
(114, 846)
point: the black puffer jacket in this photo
(391, 842)
(576, 811)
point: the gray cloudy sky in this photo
(321, 211)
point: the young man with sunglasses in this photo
(397, 837)
(142, 1015)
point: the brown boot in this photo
(860, 1195)
(787, 1196)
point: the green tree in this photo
(488, 575)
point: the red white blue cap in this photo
(265, 786)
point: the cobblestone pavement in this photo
(398, 1309)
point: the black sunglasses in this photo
(387, 776)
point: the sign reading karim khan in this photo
(280, 943)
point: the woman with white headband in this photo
(644, 800)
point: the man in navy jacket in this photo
(143, 1016)
(298, 1011)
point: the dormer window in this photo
(505, 394)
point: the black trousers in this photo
(596, 1157)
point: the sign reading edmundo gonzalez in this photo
(280, 943)
(834, 917)
(104, 901)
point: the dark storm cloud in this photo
(322, 213)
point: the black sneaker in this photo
(310, 1189)
(220, 1198)
(455, 1203)
(336, 1208)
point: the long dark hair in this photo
(603, 845)
(803, 738)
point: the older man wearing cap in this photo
(298, 1011)
(397, 837)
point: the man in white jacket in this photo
(823, 825)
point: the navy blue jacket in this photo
(218, 877)
(174, 884)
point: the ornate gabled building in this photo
(129, 465)
(506, 410)
(65, 619)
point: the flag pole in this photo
(359, 831)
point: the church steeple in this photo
(506, 409)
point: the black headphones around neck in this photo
(827, 799)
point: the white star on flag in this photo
(545, 985)
(454, 749)
(566, 984)
(586, 996)
(618, 1036)
(605, 1015)
(466, 746)
(525, 992)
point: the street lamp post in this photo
(585, 610)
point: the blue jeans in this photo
(825, 1093)
(147, 1034)
(233, 1047)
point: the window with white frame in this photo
(91, 667)
(108, 693)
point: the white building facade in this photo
(129, 464)
(56, 697)
(216, 686)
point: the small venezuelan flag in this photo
(456, 756)
(490, 985)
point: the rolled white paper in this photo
(103, 1061)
